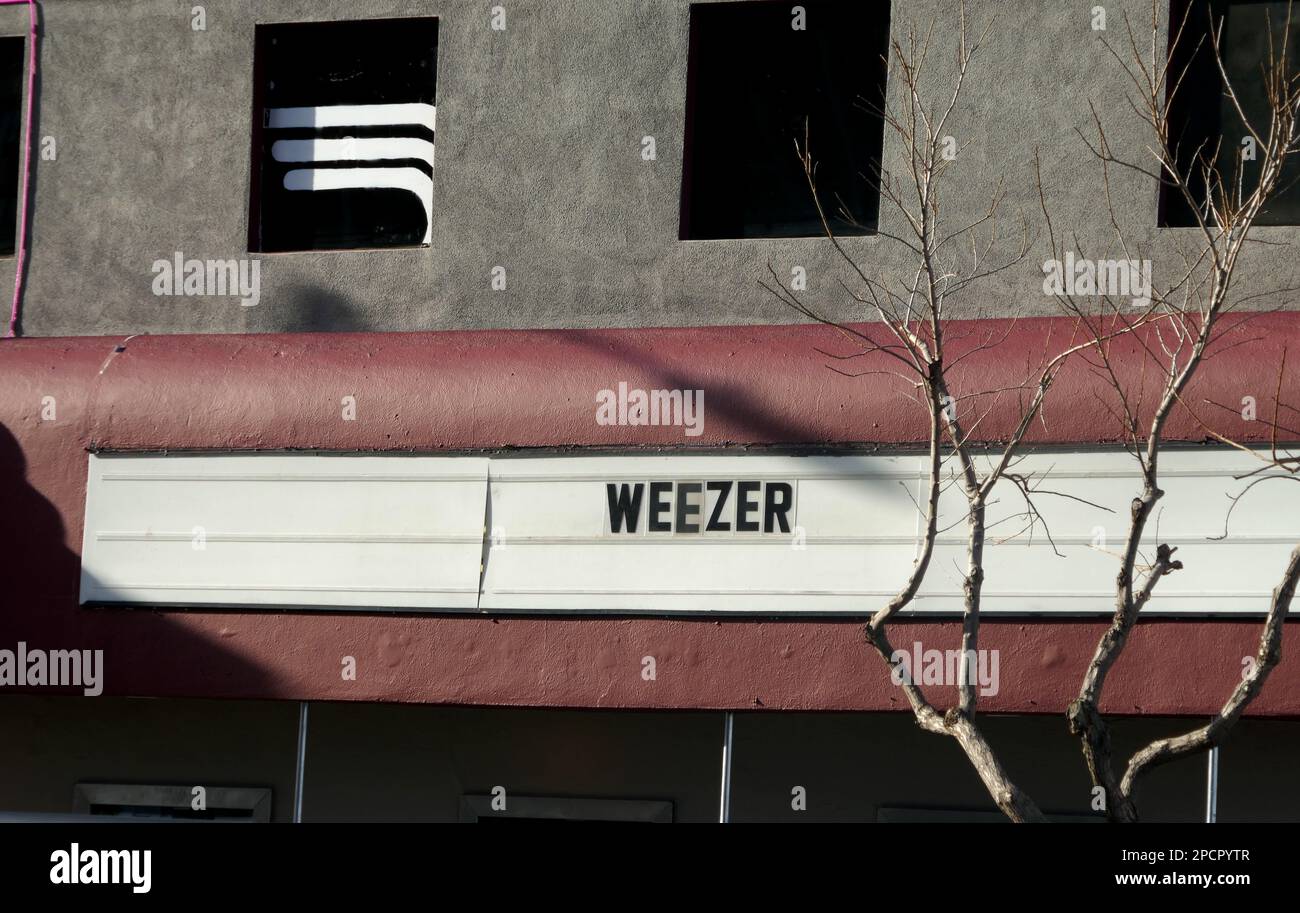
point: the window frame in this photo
(475, 807)
(254, 799)
(257, 136)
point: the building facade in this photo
(394, 486)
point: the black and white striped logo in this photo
(359, 162)
(347, 124)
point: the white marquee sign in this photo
(776, 535)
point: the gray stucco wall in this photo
(538, 170)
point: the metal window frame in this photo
(656, 811)
(254, 799)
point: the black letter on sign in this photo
(658, 507)
(772, 509)
(626, 506)
(716, 523)
(746, 506)
(685, 510)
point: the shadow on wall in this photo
(145, 652)
(55, 737)
(307, 308)
(40, 575)
(733, 398)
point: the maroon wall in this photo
(489, 390)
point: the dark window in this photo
(1204, 125)
(755, 82)
(11, 129)
(343, 134)
(128, 800)
(534, 809)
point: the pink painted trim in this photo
(27, 168)
(490, 389)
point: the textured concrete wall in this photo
(538, 170)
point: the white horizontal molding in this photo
(395, 115)
(353, 149)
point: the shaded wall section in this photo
(395, 763)
(52, 744)
(870, 767)
(371, 762)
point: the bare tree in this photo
(1191, 309)
(913, 314)
(1174, 329)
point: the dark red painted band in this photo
(487, 390)
(534, 388)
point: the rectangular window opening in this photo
(759, 75)
(1205, 127)
(12, 53)
(343, 135)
